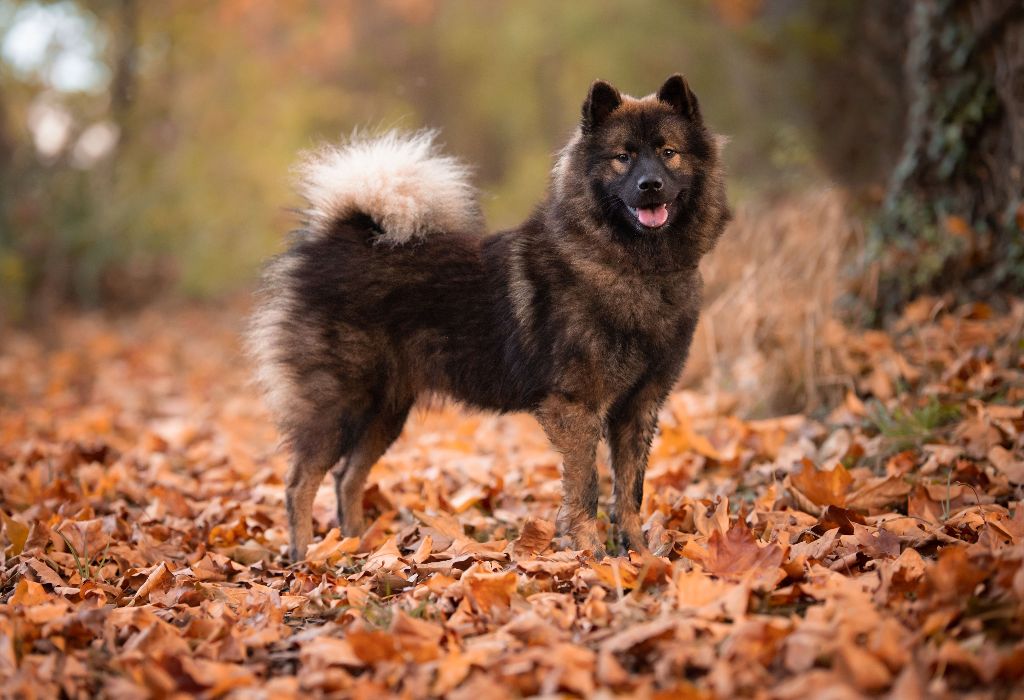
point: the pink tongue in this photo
(653, 217)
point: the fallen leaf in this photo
(159, 578)
(17, 533)
(867, 672)
(534, 538)
(823, 488)
(1004, 460)
(841, 518)
(320, 652)
(29, 593)
(331, 548)
(489, 591)
(954, 575)
(878, 543)
(616, 573)
(737, 555)
(878, 493)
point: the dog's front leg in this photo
(631, 427)
(575, 430)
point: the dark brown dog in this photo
(583, 315)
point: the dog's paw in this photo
(585, 537)
(633, 540)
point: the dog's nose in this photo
(649, 183)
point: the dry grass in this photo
(772, 285)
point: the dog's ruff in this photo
(401, 181)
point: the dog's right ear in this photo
(602, 101)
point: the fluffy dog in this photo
(583, 315)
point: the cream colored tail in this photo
(401, 181)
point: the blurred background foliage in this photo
(145, 147)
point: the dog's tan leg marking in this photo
(575, 430)
(632, 423)
(303, 480)
(630, 444)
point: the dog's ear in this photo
(602, 101)
(677, 93)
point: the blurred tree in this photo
(927, 97)
(954, 210)
(125, 59)
(857, 99)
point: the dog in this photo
(583, 316)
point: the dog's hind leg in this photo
(350, 474)
(312, 457)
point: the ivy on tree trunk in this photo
(954, 209)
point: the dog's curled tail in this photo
(401, 181)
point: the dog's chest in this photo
(648, 308)
(629, 326)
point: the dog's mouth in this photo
(650, 217)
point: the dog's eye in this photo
(622, 157)
(667, 152)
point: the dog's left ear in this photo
(677, 93)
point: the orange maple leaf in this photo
(823, 488)
(737, 554)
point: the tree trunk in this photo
(126, 43)
(954, 210)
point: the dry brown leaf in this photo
(163, 477)
(217, 678)
(617, 573)
(954, 575)
(320, 652)
(442, 523)
(835, 517)
(867, 672)
(534, 538)
(877, 544)
(817, 549)
(332, 548)
(159, 579)
(560, 565)
(454, 667)
(664, 628)
(489, 591)
(878, 493)
(737, 555)
(424, 551)
(45, 574)
(87, 538)
(823, 488)
(1005, 461)
(708, 520)
(16, 531)
(709, 597)
(29, 593)
(386, 558)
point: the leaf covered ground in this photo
(875, 550)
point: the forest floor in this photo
(875, 550)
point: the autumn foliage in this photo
(876, 549)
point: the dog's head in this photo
(645, 157)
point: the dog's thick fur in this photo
(583, 315)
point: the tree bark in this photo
(126, 45)
(954, 209)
